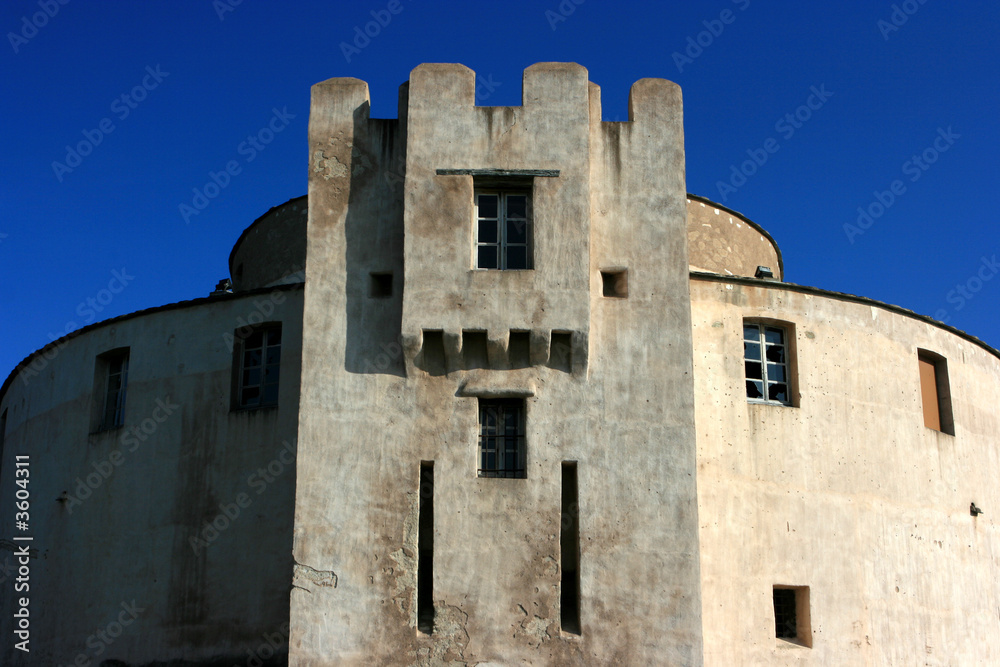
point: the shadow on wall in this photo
(374, 238)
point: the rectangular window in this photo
(259, 363)
(935, 392)
(110, 385)
(791, 614)
(502, 438)
(503, 229)
(766, 360)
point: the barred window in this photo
(765, 357)
(502, 447)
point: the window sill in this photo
(108, 429)
(254, 408)
(754, 401)
(789, 644)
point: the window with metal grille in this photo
(503, 229)
(116, 383)
(502, 451)
(791, 614)
(766, 359)
(259, 366)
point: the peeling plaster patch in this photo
(404, 575)
(307, 578)
(534, 629)
(450, 638)
(329, 167)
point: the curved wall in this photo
(848, 493)
(723, 241)
(272, 250)
(120, 517)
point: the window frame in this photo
(787, 331)
(111, 368)
(941, 390)
(503, 244)
(519, 470)
(266, 330)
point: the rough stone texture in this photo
(849, 493)
(371, 411)
(725, 242)
(128, 539)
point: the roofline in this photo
(764, 232)
(190, 303)
(253, 224)
(841, 296)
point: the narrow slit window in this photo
(381, 285)
(935, 392)
(569, 548)
(111, 385)
(425, 549)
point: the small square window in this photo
(502, 447)
(614, 283)
(766, 361)
(503, 229)
(257, 367)
(110, 387)
(381, 285)
(791, 614)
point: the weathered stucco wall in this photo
(113, 513)
(373, 409)
(725, 242)
(272, 250)
(848, 493)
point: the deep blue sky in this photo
(893, 93)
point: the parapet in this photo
(723, 241)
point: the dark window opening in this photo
(569, 549)
(935, 392)
(519, 349)
(474, 350)
(431, 357)
(425, 549)
(381, 285)
(258, 367)
(110, 388)
(502, 447)
(615, 283)
(791, 614)
(561, 351)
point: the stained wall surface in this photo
(171, 532)
(847, 493)
(373, 410)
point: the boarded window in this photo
(935, 392)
